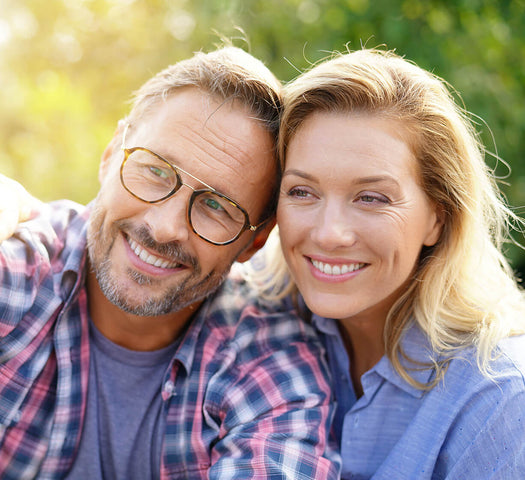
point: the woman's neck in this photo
(365, 346)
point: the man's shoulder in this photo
(34, 259)
(54, 225)
(63, 218)
(58, 225)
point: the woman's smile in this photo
(352, 215)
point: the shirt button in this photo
(167, 392)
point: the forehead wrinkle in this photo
(211, 150)
(252, 122)
(236, 152)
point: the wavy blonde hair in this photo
(463, 292)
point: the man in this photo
(123, 352)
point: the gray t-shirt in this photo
(123, 428)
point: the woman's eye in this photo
(369, 198)
(298, 192)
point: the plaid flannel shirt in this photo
(246, 395)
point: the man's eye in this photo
(213, 204)
(158, 172)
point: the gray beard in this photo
(175, 299)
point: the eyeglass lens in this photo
(152, 179)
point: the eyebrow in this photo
(377, 179)
(360, 181)
(298, 173)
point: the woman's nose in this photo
(334, 228)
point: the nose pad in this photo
(168, 220)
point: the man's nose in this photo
(168, 220)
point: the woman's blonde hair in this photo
(463, 291)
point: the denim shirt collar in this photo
(416, 348)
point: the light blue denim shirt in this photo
(467, 427)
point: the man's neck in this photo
(131, 331)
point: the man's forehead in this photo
(204, 102)
(217, 141)
(190, 113)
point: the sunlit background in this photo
(68, 68)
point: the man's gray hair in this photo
(229, 73)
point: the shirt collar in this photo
(185, 353)
(69, 223)
(416, 348)
(325, 325)
(416, 360)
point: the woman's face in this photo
(352, 215)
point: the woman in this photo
(391, 227)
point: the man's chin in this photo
(143, 307)
(140, 294)
(147, 309)
(144, 300)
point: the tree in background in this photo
(67, 68)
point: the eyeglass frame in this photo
(196, 192)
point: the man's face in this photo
(146, 257)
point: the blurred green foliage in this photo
(68, 68)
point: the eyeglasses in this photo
(212, 215)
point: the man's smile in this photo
(149, 258)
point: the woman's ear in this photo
(437, 221)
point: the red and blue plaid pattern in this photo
(247, 394)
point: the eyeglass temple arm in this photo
(123, 146)
(254, 228)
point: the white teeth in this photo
(149, 258)
(336, 269)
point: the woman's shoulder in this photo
(464, 376)
(485, 413)
(505, 377)
(510, 358)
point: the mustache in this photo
(171, 250)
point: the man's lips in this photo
(336, 269)
(149, 258)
